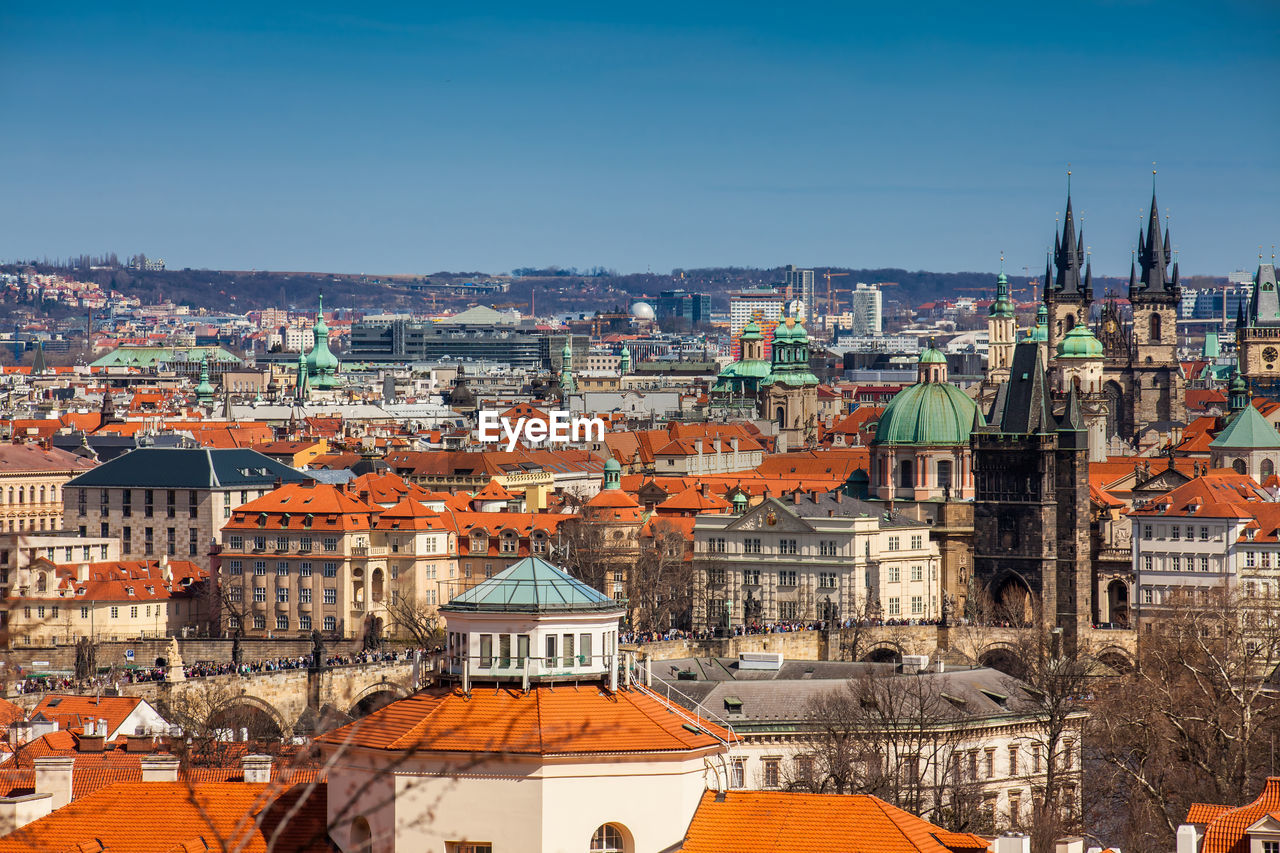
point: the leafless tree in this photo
(1197, 721)
(896, 737)
(660, 583)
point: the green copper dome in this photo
(1080, 343)
(928, 413)
(1002, 306)
(932, 356)
(750, 332)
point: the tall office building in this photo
(867, 310)
(693, 308)
(765, 305)
(800, 282)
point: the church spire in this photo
(1154, 252)
(1068, 253)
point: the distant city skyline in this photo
(411, 139)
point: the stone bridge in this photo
(1000, 648)
(282, 698)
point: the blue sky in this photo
(422, 137)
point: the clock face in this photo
(1269, 354)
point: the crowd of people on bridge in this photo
(200, 669)
(752, 628)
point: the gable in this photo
(773, 516)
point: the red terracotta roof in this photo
(785, 822)
(564, 720)
(1226, 832)
(160, 817)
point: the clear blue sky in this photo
(471, 136)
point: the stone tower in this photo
(1031, 503)
(1258, 332)
(1001, 331)
(1068, 294)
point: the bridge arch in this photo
(377, 696)
(247, 711)
(884, 651)
(1117, 659)
(1005, 658)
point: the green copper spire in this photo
(204, 391)
(567, 385)
(1003, 305)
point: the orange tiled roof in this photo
(1226, 831)
(331, 508)
(72, 711)
(693, 500)
(1222, 493)
(566, 720)
(159, 817)
(785, 822)
(1204, 812)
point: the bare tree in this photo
(420, 622)
(660, 583)
(896, 737)
(1197, 721)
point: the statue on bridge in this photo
(174, 670)
(317, 651)
(237, 653)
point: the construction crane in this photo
(828, 275)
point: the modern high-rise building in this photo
(765, 305)
(867, 310)
(800, 283)
(693, 308)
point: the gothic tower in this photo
(1156, 394)
(1258, 332)
(1068, 294)
(1031, 503)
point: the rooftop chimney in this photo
(1012, 843)
(160, 768)
(53, 777)
(257, 769)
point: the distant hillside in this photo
(569, 291)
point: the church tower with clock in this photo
(1258, 333)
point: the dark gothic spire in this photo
(1068, 254)
(1154, 253)
(1048, 275)
(1088, 277)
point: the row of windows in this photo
(893, 573)
(895, 543)
(148, 502)
(23, 494)
(281, 543)
(894, 607)
(1177, 532)
(1181, 563)
(754, 545)
(305, 568)
(259, 623)
(53, 612)
(282, 594)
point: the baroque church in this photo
(781, 389)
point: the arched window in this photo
(42, 494)
(781, 414)
(906, 474)
(1154, 323)
(42, 582)
(22, 494)
(1238, 465)
(608, 839)
(1071, 322)
(944, 473)
(361, 836)
(1268, 468)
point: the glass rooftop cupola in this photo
(533, 622)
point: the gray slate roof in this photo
(204, 468)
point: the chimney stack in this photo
(257, 769)
(160, 768)
(53, 777)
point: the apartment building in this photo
(1216, 532)
(168, 501)
(311, 556)
(813, 556)
(108, 600)
(31, 481)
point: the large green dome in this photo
(1080, 343)
(928, 413)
